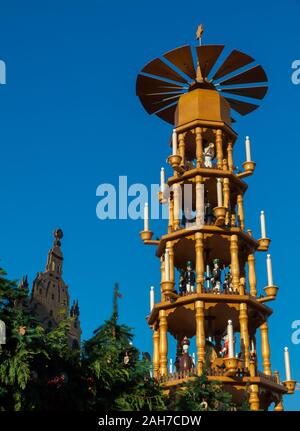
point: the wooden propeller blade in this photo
(242, 108)
(234, 61)
(154, 103)
(182, 58)
(159, 68)
(255, 74)
(146, 85)
(168, 114)
(207, 57)
(253, 92)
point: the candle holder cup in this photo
(264, 244)
(220, 214)
(146, 235)
(167, 287)
(290, 385)
(271, 291)
(231, 366)
(249, 166)
(174, 160)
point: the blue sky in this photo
(70, 121)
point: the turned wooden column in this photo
(163, 277)
(219, 148)
(199, 148)
(235, 266)
(265, 348)
(200, 335)
(226, 197)
(254, 397)
(240, 207)
(229, 156)
(169, 246)
(244, 334)
(181, 148)
(171, 212)
(252, 274)
(156, 351)
(163, 343)
(199, 248)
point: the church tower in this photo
(209, 289)
(50, 299)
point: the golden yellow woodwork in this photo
(200, 335)
(229, 156)
(265, 348)
(199, 261)
(252, 274)
(240, 206)
(254, 397)
(235, 268)
(156, 362)
(219, 148)
(199, 148)
(203, 105)
(244, 338)
(202, 122)
(163, 343)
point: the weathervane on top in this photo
(199, 33)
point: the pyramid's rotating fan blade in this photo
(168, 114)
(159, 68)
(153, 103)
(234, 61)
(253, 92)
(255, 74)
(182, 58)
(147, 85)
(207, 57)
(242, 108)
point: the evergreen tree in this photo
(118, 379)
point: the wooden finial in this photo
(199, 33)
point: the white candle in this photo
(151, 298)
(219, 192)
(146, 217)
(248, 150)
(174, 143)
(171, 366)
(287, 364)
(230, 339)
(162, 180)
(252, 346)
(194, 358)
(263, 224)
(269, 270)
(167, 265)
(207, 276)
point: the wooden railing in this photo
(267, 377)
